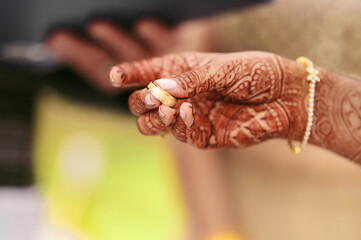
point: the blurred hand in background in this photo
(108, 44)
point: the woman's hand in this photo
(226, 100)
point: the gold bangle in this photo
(161, 95)
(312, 77)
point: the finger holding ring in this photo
(161, 95)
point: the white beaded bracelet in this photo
(312, 77)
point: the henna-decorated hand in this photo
(227, 100)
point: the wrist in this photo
(337, 120)
(323, 103)
(295, 96)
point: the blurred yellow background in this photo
(101, 178)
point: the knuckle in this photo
(135, 103)
(151, 124)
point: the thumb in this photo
(187, 84)
(208, 77)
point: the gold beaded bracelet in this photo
(312, 77)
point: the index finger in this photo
(140, 73)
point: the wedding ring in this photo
(161, 95)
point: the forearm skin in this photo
(337, 117)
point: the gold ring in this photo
(161, 95)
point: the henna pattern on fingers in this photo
(218, 90)
(151, 124)
(136, 105)
(246, 98)
(144, 71)
(225, 124)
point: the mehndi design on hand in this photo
(235, 100)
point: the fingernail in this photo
(191, 119)
(148, 101)
(163, 117)
(182, 113)
(167, 84)
(161, 114)
(117, 76)
(188, 120)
